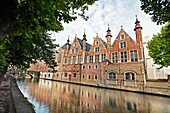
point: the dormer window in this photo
(96, 49)
(75, 44)
(122, 37)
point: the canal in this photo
(57, 97)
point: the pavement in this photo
(11, 98)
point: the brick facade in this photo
(120, 63)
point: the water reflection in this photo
(56, 97)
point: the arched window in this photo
(130, 76)
(112, 75)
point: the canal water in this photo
(57, 97)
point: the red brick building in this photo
(118, 64)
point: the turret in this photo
(138, 32)
(84, 41)
(108, 37)
(67, 44)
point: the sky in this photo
(116, 13)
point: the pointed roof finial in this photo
(84, 36)
(68, 39)
(75, 35)
(108, 29)
(121, 26)
(84, 33)
(137, 21)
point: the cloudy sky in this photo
(104, 12)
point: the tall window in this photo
(96, 58)
(124, 56)
(74, 59)
(85, 59)
(90, 59)
(96, 49)
(112, 76)
(134, 56)
(69, 60)
(76, 49)
(103, 56)
(123, 45)
(79, 58)
(59, 58)
(115, 57)
(72, 50)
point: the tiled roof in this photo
(104, 43)
(65, 45)
(81, 44)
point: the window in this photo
(130, 76)
(96, 43)
(122, 37)
(74, 59)
(69, 60)
(83, 76)
(89, 67)
(115, 57)
(96, 58)
(123, 56)
(79, 58)
(83, 67)
(65, 74)
(48, 75)
(96, 49)
(85, 59)
(91, 59)
(74, 75)
(59, 58)
(76, 49)
(103, 56)
(95, 77)
(134, 56)
(112, 76)
(123, 45)
(96, 66)
(89, 77)
(72, 50)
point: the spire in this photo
(84, 36)
(108, 29)
(108, 32)
(68, 41)
(137, 24)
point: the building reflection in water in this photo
(58, 97)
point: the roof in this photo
(104, 43)
(106, 60)
(65, 45)
(88, 46)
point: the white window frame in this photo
(115, 57)
(134, 56)
(97, 49)
(124, 57)
(122, 45)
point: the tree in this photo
(159, 47)
(25, 24)
(158, 9)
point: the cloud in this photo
(104, 12)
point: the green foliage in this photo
(159, 47)
(158, 9)
(27, 40)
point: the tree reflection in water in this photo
(57, 97)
